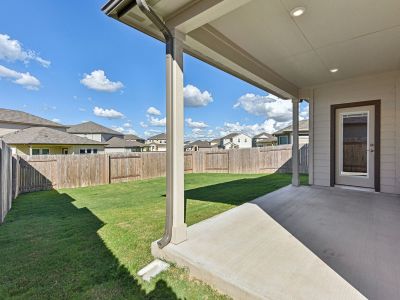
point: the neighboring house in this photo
(94, 131)
(45, 140)
(132, 137)
(285, 135)
(235, 141)
(157, 142)
(14, 120)
(119, 145)
(215, 143)
(264, 139)
(198, 146)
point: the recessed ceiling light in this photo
(334, 70)
(297, 12)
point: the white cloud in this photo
(304, 113)
(118, 128)
(266, 106)
(194, 124)
(195, 98)
(45, 63)
(130, 131)
(12, 50)
(97, 80)
(47, 107)
(143, 124)
(81, 109)
(107, 113)
(157, 122)
(199, 133)
(269, 126)
(56, 120)
(151, 132)
(27, 80)
(153, 111)
(126, 128)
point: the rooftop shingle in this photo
(20, 117)
(46, 136)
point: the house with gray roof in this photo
(133, 137)
(94, 131)
(198, 146)
(235, 140)
(14, 120)
(157, 142)
(46, 140)
(120, 145)
(285, 135)
(264, 139)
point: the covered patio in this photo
(342, 57)
(298, 243)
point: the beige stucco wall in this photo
(385, 87)
(25, 149)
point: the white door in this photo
(355, 143)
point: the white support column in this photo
(295, 143)
(311, 140)
(175, 133)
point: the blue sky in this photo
(67, 61)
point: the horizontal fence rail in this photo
(41, 172)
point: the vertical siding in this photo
(398, 135)
(382, 87)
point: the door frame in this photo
(377, 156)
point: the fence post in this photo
(109, 169)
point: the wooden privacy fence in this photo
(42, 172)
(9, 170)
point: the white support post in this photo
(175, 133)
(295, 143)
(311, 141)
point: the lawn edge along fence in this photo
(42, 172)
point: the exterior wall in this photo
(157, 145)
(377, 87)
(264, 144)
(303, 138)
(74, 149)
(91, 136)
(123, 150)
(242, 140)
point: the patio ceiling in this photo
(260, 42)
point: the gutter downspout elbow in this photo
(169, 40)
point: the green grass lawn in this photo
(89, 243)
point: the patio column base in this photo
(179, 234)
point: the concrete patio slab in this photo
(298, 243)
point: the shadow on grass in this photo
(51, 249)
(240, 191)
